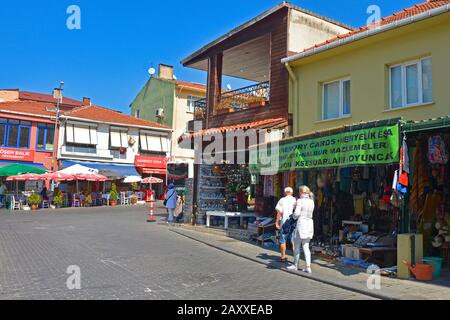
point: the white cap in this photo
(288, 190)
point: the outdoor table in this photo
(228, 215)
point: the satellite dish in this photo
(174, 77)
(229, 86)
(151, 71)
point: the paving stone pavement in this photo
(123, 257)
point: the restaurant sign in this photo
(16, 155)
(372, 146)
(150, 162)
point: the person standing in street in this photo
(285, 208)
(170, 202)
(304, 232)
(3, 191)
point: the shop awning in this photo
(112, 171)
(426, 125)
(263, 124)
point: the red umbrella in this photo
(26, 177)
(91, 177)
(59, 176)
(152, 180)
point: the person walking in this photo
(304, 232)
(285, 208)
(170, 202)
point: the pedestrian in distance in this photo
(304, 232)
(285, 208)
(170, 202)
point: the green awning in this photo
(425, 125)
(17, 169)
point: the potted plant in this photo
(113, 195)
(199, 114)
(134, 200)
(58, 198)
(225, 107)
(88, 200)
(34, 200)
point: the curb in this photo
(304, 275)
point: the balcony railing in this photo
(257, 95)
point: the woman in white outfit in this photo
(304, 232)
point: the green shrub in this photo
(34, 199)
(58, 198)
(114, 195)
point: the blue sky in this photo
(108, 58)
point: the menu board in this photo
(188, 200)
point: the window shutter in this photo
(154, 143)
(69, 134)
(93, 132)
(165, 144)
(144, 145)
(115, 139)
(124, 136)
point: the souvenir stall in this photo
(427, 145)
(224, 192)
(354, 174)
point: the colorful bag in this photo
(437, 153)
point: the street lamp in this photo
(58, 96)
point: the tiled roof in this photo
(193, 85)
(406, 13)
(268, 123)
(31, 108)
(101, 114)
(41, 97)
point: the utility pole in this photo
(58, 96)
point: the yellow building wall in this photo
(366, 62)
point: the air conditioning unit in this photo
(160, 113)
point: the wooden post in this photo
(214, 91)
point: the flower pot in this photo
(34, 207)
(225, 110)
(113, 203)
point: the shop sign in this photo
(373, 146)
(150, 162)
(16, 154)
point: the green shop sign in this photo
(373, 146)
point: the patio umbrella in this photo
(152, 180)
(25, 177)
(78, 169)
(59, 176)
(132, 179)
(91, 177)
(18, 169)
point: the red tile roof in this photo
(406, 13)
(192, 85)
(41, 97)
(243, 126)
(30, 108)
(101, 114)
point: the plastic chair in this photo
(75, 201)
(124, 200)
(15, 204)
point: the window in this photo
(119, 138)
(191, 103)
(152, 142)
(80, 134)
(336, 99)
(137, 113)
(45, 137)
(411, 83)
(15, 133)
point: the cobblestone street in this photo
(123, 257)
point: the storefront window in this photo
(45, 137)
